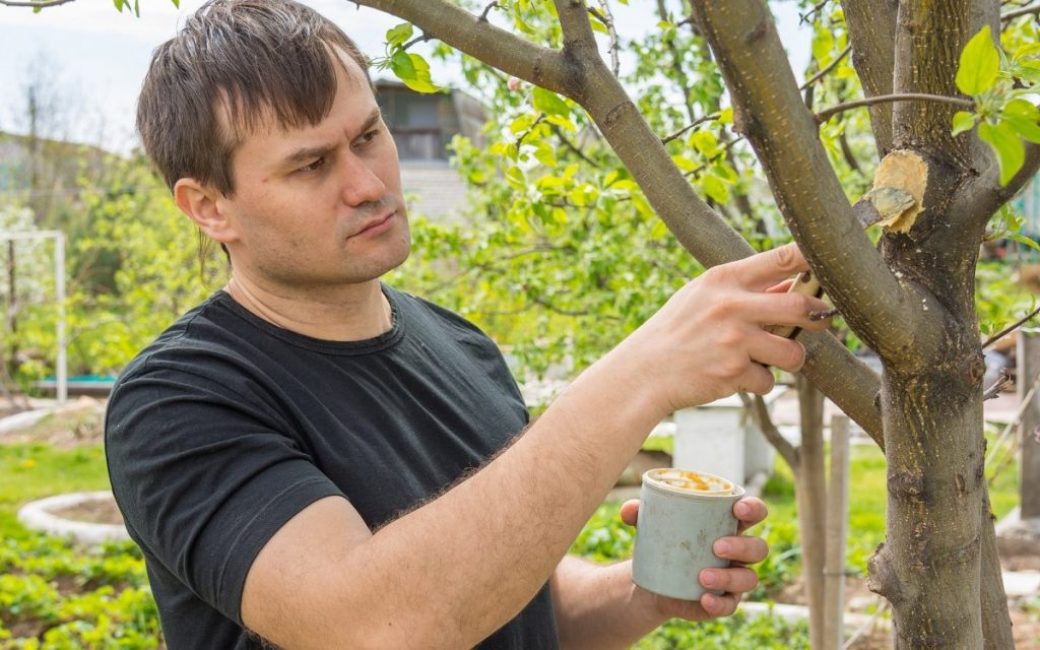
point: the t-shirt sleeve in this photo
(204, 474)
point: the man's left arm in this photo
(598, 606)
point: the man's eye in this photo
(368, 137)
(314, 166)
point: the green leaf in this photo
(1022, 108)
(979, 64)
(549, 102)
(726, 116)
(963, 121)
(1022, 239)
(413, 70)
(715, 188)
(1026, 128)
(399, 35)
(562, 121)
(1011, 153)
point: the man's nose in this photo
(360, 183)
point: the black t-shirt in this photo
(227, 426)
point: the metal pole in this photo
(59, 286)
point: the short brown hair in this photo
(249, 59)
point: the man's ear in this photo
(203, 206)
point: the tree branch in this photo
(37, 4)
(699, 229)
(770, 112)
(487, 10)
(872, 34)
(607, 18)
(683, 131)
(807, 17)
(573, 147)
(1010, 328)
(823, 116)
(935, 32)
(759, 412)
(830, 66)
(475, 35)
(1018, 13)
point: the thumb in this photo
(629, 511)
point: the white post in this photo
(59, 289)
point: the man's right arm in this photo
(452, 571)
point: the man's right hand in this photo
(709, 339)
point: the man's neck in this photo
(355, 313)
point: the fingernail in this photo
(722, 547)
(710, 603)
(710, 578)
(821, 315)
(742, 509)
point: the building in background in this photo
(423, 126)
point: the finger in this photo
(761, 271)
(783, 287)
(772, 350)
(629, 511)
(733, 580)
(756, 379)
(741, 548)
(791, 308)
(749, 511)
(716, 605)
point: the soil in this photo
(94, 512)
(1025, 612)
(77, 424)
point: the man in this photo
(314, 459)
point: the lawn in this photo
(56, 596)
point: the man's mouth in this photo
(376, 225)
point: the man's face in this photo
(321, 206)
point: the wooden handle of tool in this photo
(807, 285)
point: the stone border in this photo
(38, 515)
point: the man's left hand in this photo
(733, 581)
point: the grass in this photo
(111, 606)
(33, 471)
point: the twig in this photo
(1023, 405)
(484, 16)
(40, 4)
(607, 18)
(756, 407)
(523, 136)
(867, 624)
(573, 147)
(806, 17)
(417, 39)
(569, 312)
(994, 391)
(1011, 15)
(1010, 328)
(729, 145)
(897, 97)
(681, 132)
(830, 66)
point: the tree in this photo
(948, 115)
(947, 132)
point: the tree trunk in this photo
(928, 568)
(810, 493)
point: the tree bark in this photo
(872, 31)
(928, 567)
